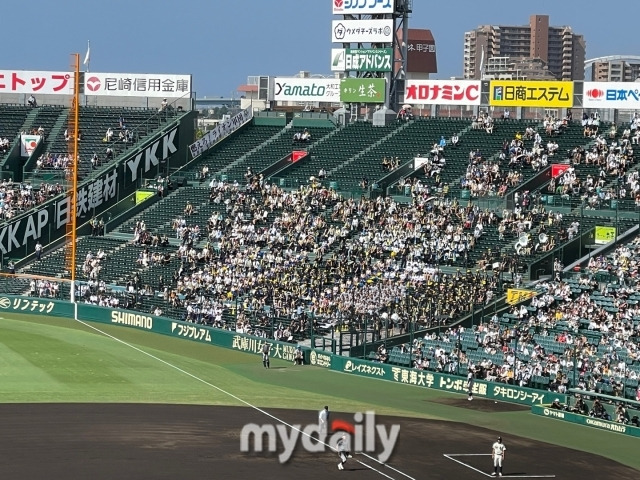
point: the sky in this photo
(222, 42)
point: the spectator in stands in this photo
(488, 124)
(31, 101)
(455, 139)
(4, 145)
(109, 135)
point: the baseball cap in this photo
(326, 407)
(499, 439)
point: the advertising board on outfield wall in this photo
(545, 411)
(362, 31)
(361, 59)
(281, 350)
(293, 89)
(137, 84)
(618, 95)
(36, 82)
(363, 90)
(440, 381)
(362, 7)
(443, 92)
(529, 93)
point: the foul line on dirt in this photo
(451, 455)
(264, 412)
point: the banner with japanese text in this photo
(442, 92)
(363, 90)
(190, 331)
(362, 31)
(221, 131)
(361, 59)
(137, 84)
(35, 82)
(531, 93)
(440, 381)
(359, 7)
(36, 306)
(626, 429)
(517, 295)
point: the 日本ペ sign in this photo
(137, 84)
(362, 7)
(295, 89)
(442, 92)
(362, 31)
(361, 59)
(530, 93)
(363, 90)
(620, 95)
(28, 82)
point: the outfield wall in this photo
(281, 350)
(546, 411)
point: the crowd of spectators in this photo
(312, 259)
(18, 197)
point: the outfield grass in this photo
(60, 360)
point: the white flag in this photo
(88, 55)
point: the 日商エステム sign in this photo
(528, 93)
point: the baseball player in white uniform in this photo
(497, 453)
(343, 450)
(323, 420)
(266, 349)
(470, 382)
